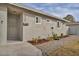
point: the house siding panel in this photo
(44, 29)
(3, 25)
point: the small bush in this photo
(50, 38)
(55, 37)
(35, 40)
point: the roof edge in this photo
(37, 11)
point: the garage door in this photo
(74, 30)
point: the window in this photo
(37, 20)
(58, 25)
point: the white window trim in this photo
(40, 20)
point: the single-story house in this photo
(21, 23)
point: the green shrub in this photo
(55, 37)
(50, 38)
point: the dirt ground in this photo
(66, 50)
(64, 46)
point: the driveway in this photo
(52, 45)
(19, 49)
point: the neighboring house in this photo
(22, 23)
(74, 28)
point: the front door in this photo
(12, 29)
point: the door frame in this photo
(21, 27)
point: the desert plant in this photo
(55, 37)
(50, 38)
(35, 40)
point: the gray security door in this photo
(12, 31)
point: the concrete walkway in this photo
(19, 49)
(52, 45)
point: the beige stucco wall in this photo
(3, 26)
(44, 29)
(33, 30)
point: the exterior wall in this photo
(34, 30)
(3, 25)
(62, 29)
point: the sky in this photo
(58, 9)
